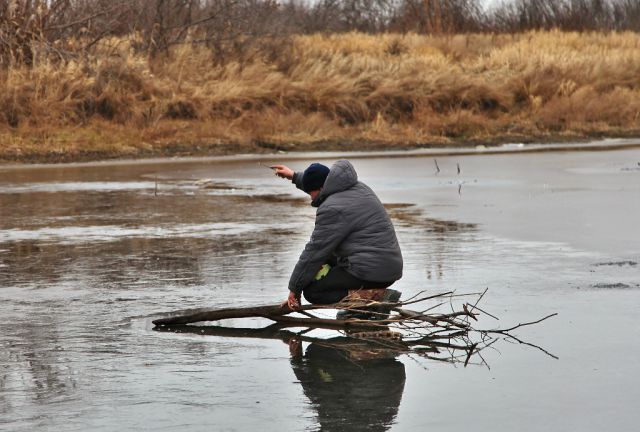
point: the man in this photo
(353, 250)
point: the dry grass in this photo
(340, 91)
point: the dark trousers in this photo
(336, 285)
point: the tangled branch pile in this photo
(402, 331)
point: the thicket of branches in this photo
(67, 28)
(570, 15)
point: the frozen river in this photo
(90, 254)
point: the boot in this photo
(380, 312)
(373, 294)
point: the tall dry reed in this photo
(318, 89)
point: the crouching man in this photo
(353, 250)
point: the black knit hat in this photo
(314, 177)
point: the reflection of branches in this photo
(509, 336)
(383, 328)
(505, 331)
(358, 345)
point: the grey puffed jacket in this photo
(352, 226)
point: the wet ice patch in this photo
(603, 168)
(251, 187)
(106, 233)
(617, 264)
(632, 167)
(213, 184)
(617, 285)
(615, 274)
(76, 187)
(229, 187)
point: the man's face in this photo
(314, 194)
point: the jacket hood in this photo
(342, 176)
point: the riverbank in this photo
(74, 152)
(339, 92)
(607, 144)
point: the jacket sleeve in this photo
(330, 230)
(297, 180)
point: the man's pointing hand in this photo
(282, 171)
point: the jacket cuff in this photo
(297, 179)
(295, 291)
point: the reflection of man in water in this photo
(347, 391)
(353, 249)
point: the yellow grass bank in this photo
(349, 91)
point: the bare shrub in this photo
(181, 109)
(396, 47)
(573, 15)
(438, 16)
(57, 29)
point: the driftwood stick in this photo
(219, 314)
(416, 295)
(472, 348)
(421, 299)
(485, 312)
(480, 298)
(434, 319)
(416, 315)
(267, 311)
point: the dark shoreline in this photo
(257, 148)
(609, 144)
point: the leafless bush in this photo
(626, 15)
(63, 28)
(439, 16)
(239, 30)
(369, 16)
(574, 15)
(57, 28)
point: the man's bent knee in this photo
(313, 297)
(316, 296)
